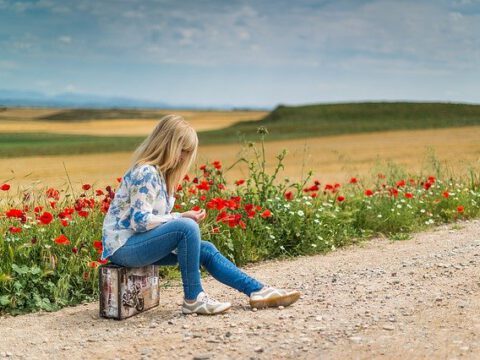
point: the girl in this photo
(139, 228)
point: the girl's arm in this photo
(144, 189)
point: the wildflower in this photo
(239, 182)
(99, 192)
(83, 213)
(5, 187)
(368, 192)
(266, 213)
(408, 195)
(196, 208)
(353, 180)
(393, 192)
(217, 165)
(445, 194)
(62, 240)
(86, 187)
(186, 178)
(14, 229)
(381, 176)
(215, 230)
(17, 213)
(340, 198)
(179, 187)
(300, 213)
(52, 193)
(204, 185)
(92, 264)
(288, 196)
(64, 222)
(313, 195)
(97, 244)
(460, 209)
(401, 183)
(75, 250)
(119, 179)
(46, 218)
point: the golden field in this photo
(333, 158)
(28, 120)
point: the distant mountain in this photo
(15, 98)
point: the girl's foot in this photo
(205, 305)
(271, 297)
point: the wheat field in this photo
(333, 158)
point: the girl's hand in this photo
(198, 215)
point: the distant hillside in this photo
(286, 122)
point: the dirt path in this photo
(411, 299)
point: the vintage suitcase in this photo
(126, 291)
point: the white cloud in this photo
(65, 39)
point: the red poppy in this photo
(266, 213)
(401, 183)
(99, 192)
(316, 182)
(445, 194)
(217, 165)
(15, 230)
(52, 193)
(62, 240)
(119, 179)
(37, 209)
(239, 182)
(92, 264)
(75, 250)
(460, 209)
(221, 186)
(97, 244)
(52, 204)
(340, 198)
(46, 218)
(203, 198)
(179, 187)
(103, 262)
(196, 208)
(64, 222)
(186, 178)
(288, 196)
(381, 176)
(215, 230)
(408, 195)
(431, 179)
(83, 213)
(203, 185)
(86, 187)
(177, 206)
(313, 195)
(368, 192)
(17, 213)
(5, 187)
(427, 185)
(353, 180)
(393, 192)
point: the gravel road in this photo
(417, 298)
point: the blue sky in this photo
(244, 53)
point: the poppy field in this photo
(50, 239)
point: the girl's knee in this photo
(208, 247)
(207, 252)
(188, 225)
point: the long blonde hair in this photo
(163, 148)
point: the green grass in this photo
(34, 144)
(285, 122)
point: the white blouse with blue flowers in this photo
(140, 203)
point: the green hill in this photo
(288, 122)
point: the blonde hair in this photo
(163, 149)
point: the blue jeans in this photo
(154, 247)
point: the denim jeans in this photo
(154, 247)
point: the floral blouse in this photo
(140, 203)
